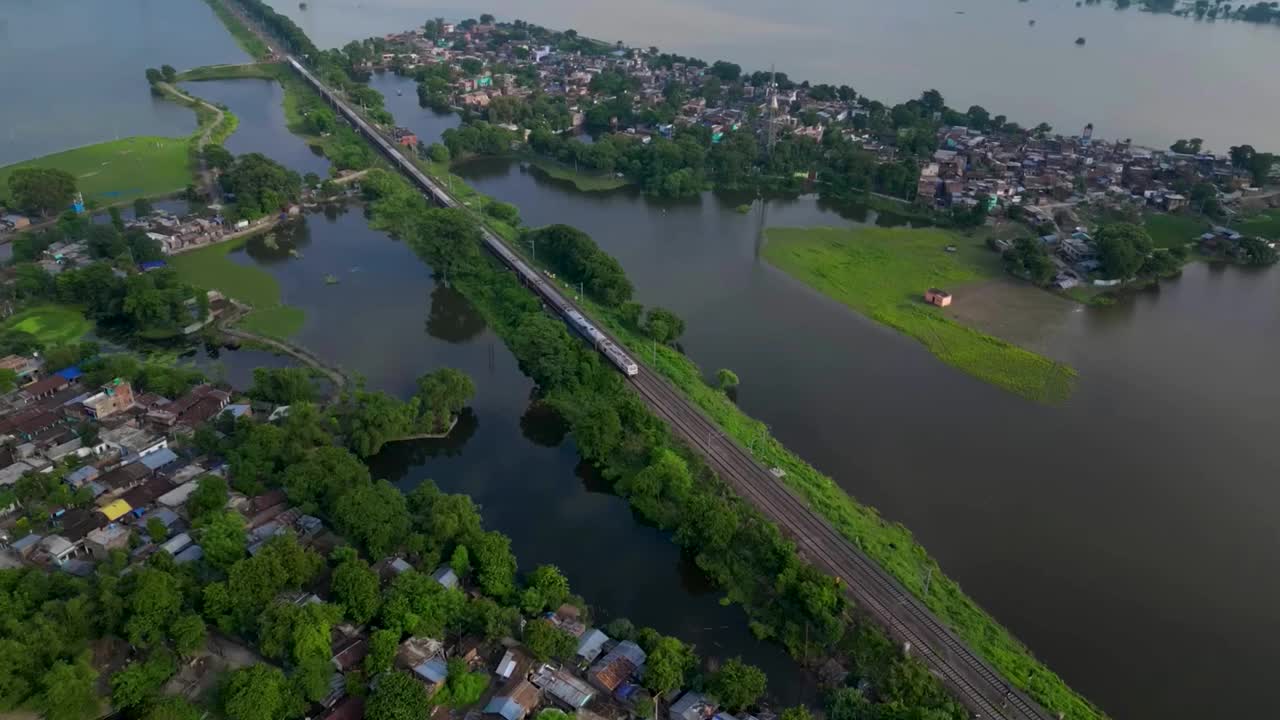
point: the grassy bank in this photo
(582, 181)
(263, 71)
(118, 170)
(1169, 231)
(247, 41)
(1265, 224)
(50, 324)
(211, 268)
(883, 273)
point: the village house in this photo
(620, 663)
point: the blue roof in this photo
(159, 458)
(88, 472)
(506, 707)
(238, 410)
(152, 265)
(70, 373)
(434, 670)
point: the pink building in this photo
(934, 296)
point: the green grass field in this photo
(51, 324)
(211, 269)
(1168, 231)
(883, 273)
(263, 71)
(281, 321)
(581, 180)
(1265, 224)
(118, 170)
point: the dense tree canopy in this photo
(41, 190)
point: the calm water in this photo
(71, 72)
(388, 321)
(257, 104)
(1123, 536)
(1153, 78)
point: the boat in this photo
(1080, 41)
(399, 92)
(330, 279)
(1032, 23)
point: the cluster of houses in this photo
(119, 442)
(970, 164)
(568, 75)
(600, 682)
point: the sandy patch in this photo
(1012, 311)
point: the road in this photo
(226, 324)
(207, 181)
(967, 676)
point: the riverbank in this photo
(581, 181)
(118, 170)
(210, 268)
(883, 273)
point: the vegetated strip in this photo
(883, 274)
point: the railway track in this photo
(968, 677)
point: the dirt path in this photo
(207, 181)
(226, 325)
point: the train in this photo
(601, 342)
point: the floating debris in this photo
(331, 279)
(270, 241)
(1080, 41)
(1032, 23)
(294, 252)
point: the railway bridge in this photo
(970, 678)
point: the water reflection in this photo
(453, 318)
(396, 459)
(542, 425)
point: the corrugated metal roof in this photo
(115, 509)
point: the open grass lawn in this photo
(883, 273)
(582, 180)
(211, 269)
(263, 71)
(1168, 231)
(118, 170)
(51, 324)
(1265, 224)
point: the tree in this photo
(504, 212)
(169, 73)
(737, 685)
(373, 516)
(156, 530)
(1029, 259)
(550, 587)
(669, 662)
(222, 537)
(209, 496)
(282, 386)
(460, 561)
(316, 482)
(142, 207)
(154, 76)
(545, 641)
(218, 157)
(153, 601)
(1122, 249)
(799, 712)
(726, 378)
(67, 691)
(257, 692)
(398, 697)
(370, 419)
(663, 325)
(138, 683)
(442, 394)
(419, 605)
(1187, 147)
(41, 190)
(355, 587)
(188, 634)
(438, 153)
(495, 565)
(382, 650)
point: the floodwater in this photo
(72, 72)
(389, 321)
(1124, 536)
(257, 104)
(1153, 78)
